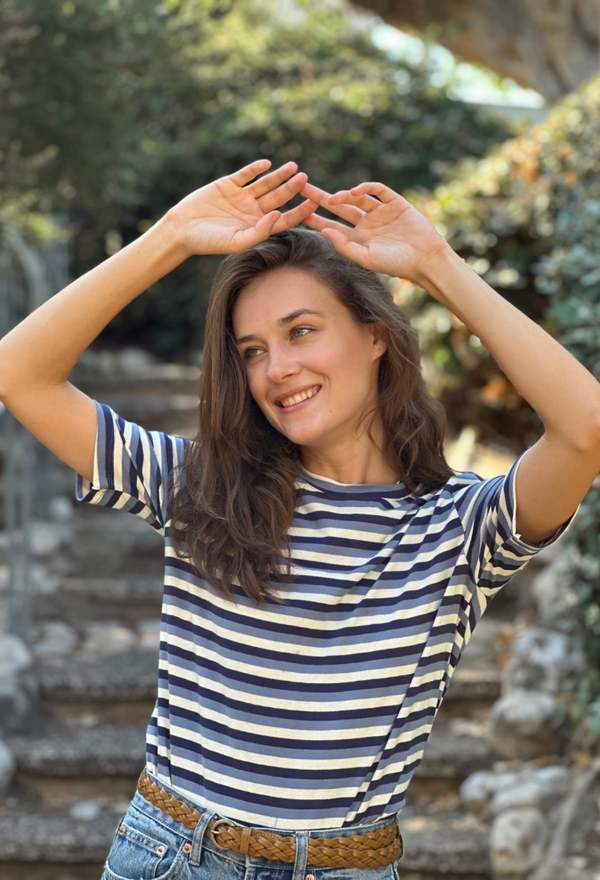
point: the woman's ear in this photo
(380, 337)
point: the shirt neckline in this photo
(328, 483)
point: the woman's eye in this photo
(301, 328)
(248, 356)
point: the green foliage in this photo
(526, 217)
(117, 109)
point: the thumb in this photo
(265, 225)
(344, 246)
(257, 233)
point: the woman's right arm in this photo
(37, 356)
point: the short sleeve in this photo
(488, 509)
(131, 468)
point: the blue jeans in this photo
(150, 845)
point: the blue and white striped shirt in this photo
(314, 714)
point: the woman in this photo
(324, 566)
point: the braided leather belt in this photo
(373, 849)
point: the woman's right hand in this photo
(226, 217)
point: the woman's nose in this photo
(281, 364)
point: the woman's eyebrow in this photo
(282, 321)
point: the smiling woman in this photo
(324, 566)
(372, 421)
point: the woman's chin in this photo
(301, 436)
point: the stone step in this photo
(152, 379)
(108, 749)
(444, 844)
(120, 678)
(126, 600)
(49, 836)
(453, 754)
(472, 685)
(115, 591)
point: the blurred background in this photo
(487, 118)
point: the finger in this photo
(283, 193)
(377, 189)
(346, 247)
(270, 181)
(320, 196)
(257, 233)
(249, 172)
(295, 216)
(365, 202)
(349, 213)
(315, 221)
(266, 224)
(346, 212)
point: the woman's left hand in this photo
(388, 234)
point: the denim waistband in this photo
(154, 813)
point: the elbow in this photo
(590, 439)
(583, 438)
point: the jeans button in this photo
(187, 847)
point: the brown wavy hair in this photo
(231, 512)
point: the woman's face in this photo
(287, 350)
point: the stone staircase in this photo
(96, 653)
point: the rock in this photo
(539, 788)
(105, 638)
(46, 539)
(527, 724)
(518, 842)
(107, 362)
(87, 811)
(134, 359)
(14, 656)
(18, 702)
(543, 660)
(565, 869)
(502, 790)
(60, 508)
(553, 592)
(41, 581)
(149, 633)
(477, 790)
(8, 766)
(53, 638)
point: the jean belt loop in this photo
(398, 824)
(299, 871)
(198, 839)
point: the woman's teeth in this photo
(290, 401)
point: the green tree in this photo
(117, 110)
(526, 218)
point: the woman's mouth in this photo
(294, 407)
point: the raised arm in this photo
(389, 235)
(37, 356)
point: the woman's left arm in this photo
(391, 236)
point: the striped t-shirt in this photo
(314, 714)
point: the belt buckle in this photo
(212, 831)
